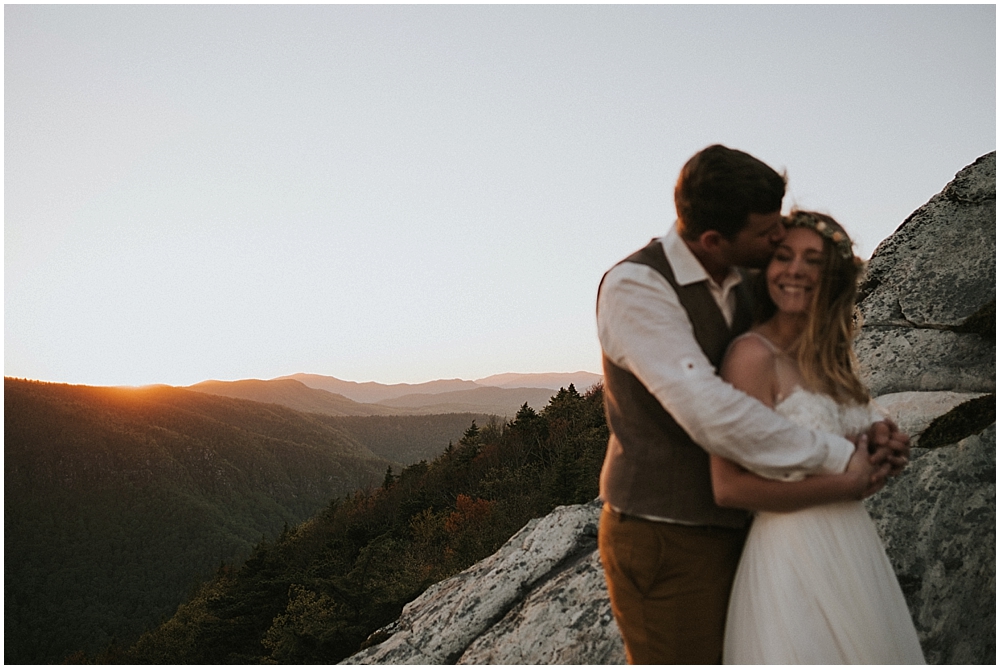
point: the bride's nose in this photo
(797, 266)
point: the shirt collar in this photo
(687, 268)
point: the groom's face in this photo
(754, 245)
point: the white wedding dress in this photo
(815, 586)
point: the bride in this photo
(814, 584)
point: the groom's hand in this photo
(877, 460)
(890, 446)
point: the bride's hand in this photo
(868, 477)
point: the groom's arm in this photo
(644, 329)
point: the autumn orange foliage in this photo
(467, 512)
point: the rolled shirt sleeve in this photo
(644, 329)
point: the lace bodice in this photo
(822, 412)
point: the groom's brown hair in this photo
(719, 188)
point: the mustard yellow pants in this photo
(669, 586)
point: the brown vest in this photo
(652, 467)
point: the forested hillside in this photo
(405, 439)
(316, 593)
(118, 502)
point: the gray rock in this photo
(898, 359)
(927, 285)
(566, 621)
(914, 411)
(438, 626)
(938, 522)
(928, 307)
(939, 267)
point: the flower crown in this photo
(841, 241)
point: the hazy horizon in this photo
(405, 193)
(480, 380)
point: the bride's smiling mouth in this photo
(794, 289)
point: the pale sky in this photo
(407, 193)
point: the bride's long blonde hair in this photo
(825, 350)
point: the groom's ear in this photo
(711, 240)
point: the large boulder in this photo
(929, 299)
(928, 351)
(927, 347)
(938, 522)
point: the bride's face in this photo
(794, 272)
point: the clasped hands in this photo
(888, 453)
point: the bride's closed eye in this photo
(787, 256)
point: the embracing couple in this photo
(742, 439)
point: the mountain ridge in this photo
(374, 392)
(502, 395)
(504, 402)
(552, 380)
(294, 394)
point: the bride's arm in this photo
(750, 367)
(735, 487)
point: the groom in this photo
(665, 316)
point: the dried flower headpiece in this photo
(842, 242)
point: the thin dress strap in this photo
(786, 372)
(767, 342)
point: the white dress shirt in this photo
(644, 329)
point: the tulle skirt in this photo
(815, 587)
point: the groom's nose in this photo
(779, 233)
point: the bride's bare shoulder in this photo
(750, 348)
(749, 365)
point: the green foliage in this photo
(403, 439)
(316, 593)
(119, 502)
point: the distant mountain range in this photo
(553, 380)
(500, 401)
(295, 395)
(372, 392)
(501, 394)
